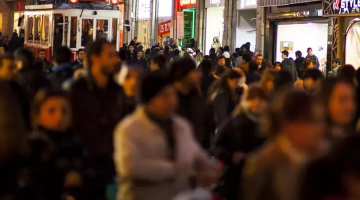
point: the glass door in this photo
(87, 31)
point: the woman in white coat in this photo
(155, 151)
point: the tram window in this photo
(30, 36)
(37, 29)
(102, 27)
(73, 32)
(45, 30)
(87, 31)
(114, 30)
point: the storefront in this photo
(188, 7)
(347, 41)
(296, 28)
(246, 23)
(164, 31)
(144, 22)
(214, 22)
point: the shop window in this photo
(114, 31)
(87, 31)
(30, 36)
(352, 48)
(45, 30)
(73, 32)
(37, 29)
(102, 28)
(66, 30)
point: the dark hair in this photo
(222, 84)
(309, 49)
(63, 55)
(220, 70)
(6, 56)
(80, 50)
(25, 55)
(131, 45)
(253, 66)
(278, 63)
(41, 50)
(95, 48)
(286, 53)
(266, 64)
(147, 51)
(226, 48)
(212, 50)
(348, 73)
(206, 67)
(247, 57)
(160, 60)
(123, 54)
(337, 60)
(259, 55)
(221, 50)
(220, 57)
(283, 79)
(306, 63)
(298, 54)
(41, 97)
(314, 74)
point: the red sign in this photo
(164, 27)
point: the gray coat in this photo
(142, 163)
(271, 174)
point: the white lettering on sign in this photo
(346, 6)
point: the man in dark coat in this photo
(78, 63)
(213, 57)
(131, 52)
(191, 103)
(139, 60)
(299, 61)
(42, 58)
(314, 59)
(289, 65)
(63, 70)
(96, 102)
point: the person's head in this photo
(139, 54)
(158, 95)
(295, 115)
(246, 57)
(24, 58)
(310, 51)
(184, 71)
(8, 69)
(259, 59)
(158, 62)
(230, 81)
(253, 66)
(206, 67)
(336, 62)
(101, 57)
(221, 50)
(81, 54)
(216, 40)
(131, 48)
(283, 80)
(199, 57)
(161, 51)
(51, 110)
(307, 64)
(284, 54)
(348, 72)
(63, 55)
(135, 39)
(221, 60)
(298, 54)
(312, 80)
(256, 100)
(266, 64)
(338, 97)
(277, 66)
(212, 50)
(227, 48)
(131, 81)
(267, 80)
(123, 54)
(42, 54)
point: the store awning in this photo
(269, 3)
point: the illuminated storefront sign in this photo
(341, 7)
(246, 4)
(187, 2)
(144, 9)
(164, 30)
(165, 8)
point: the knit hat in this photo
(180, 68)
(151, 85)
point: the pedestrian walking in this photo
(314, 59)
(289, 65)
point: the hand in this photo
(237, 157)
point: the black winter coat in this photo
(239, 134)
(53, 156)
(299, 64)
(223, 106)
(31, 79)
(289, 65)
(60, 74)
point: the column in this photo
(260, 21)
(200, 25)
(340, 39)
(229, 24)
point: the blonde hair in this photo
(199, 57)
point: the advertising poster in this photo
(180, 25)
(144, 9)
(164, 30)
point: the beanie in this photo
(151, 85)
(180, 68)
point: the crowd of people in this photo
(173, 123)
